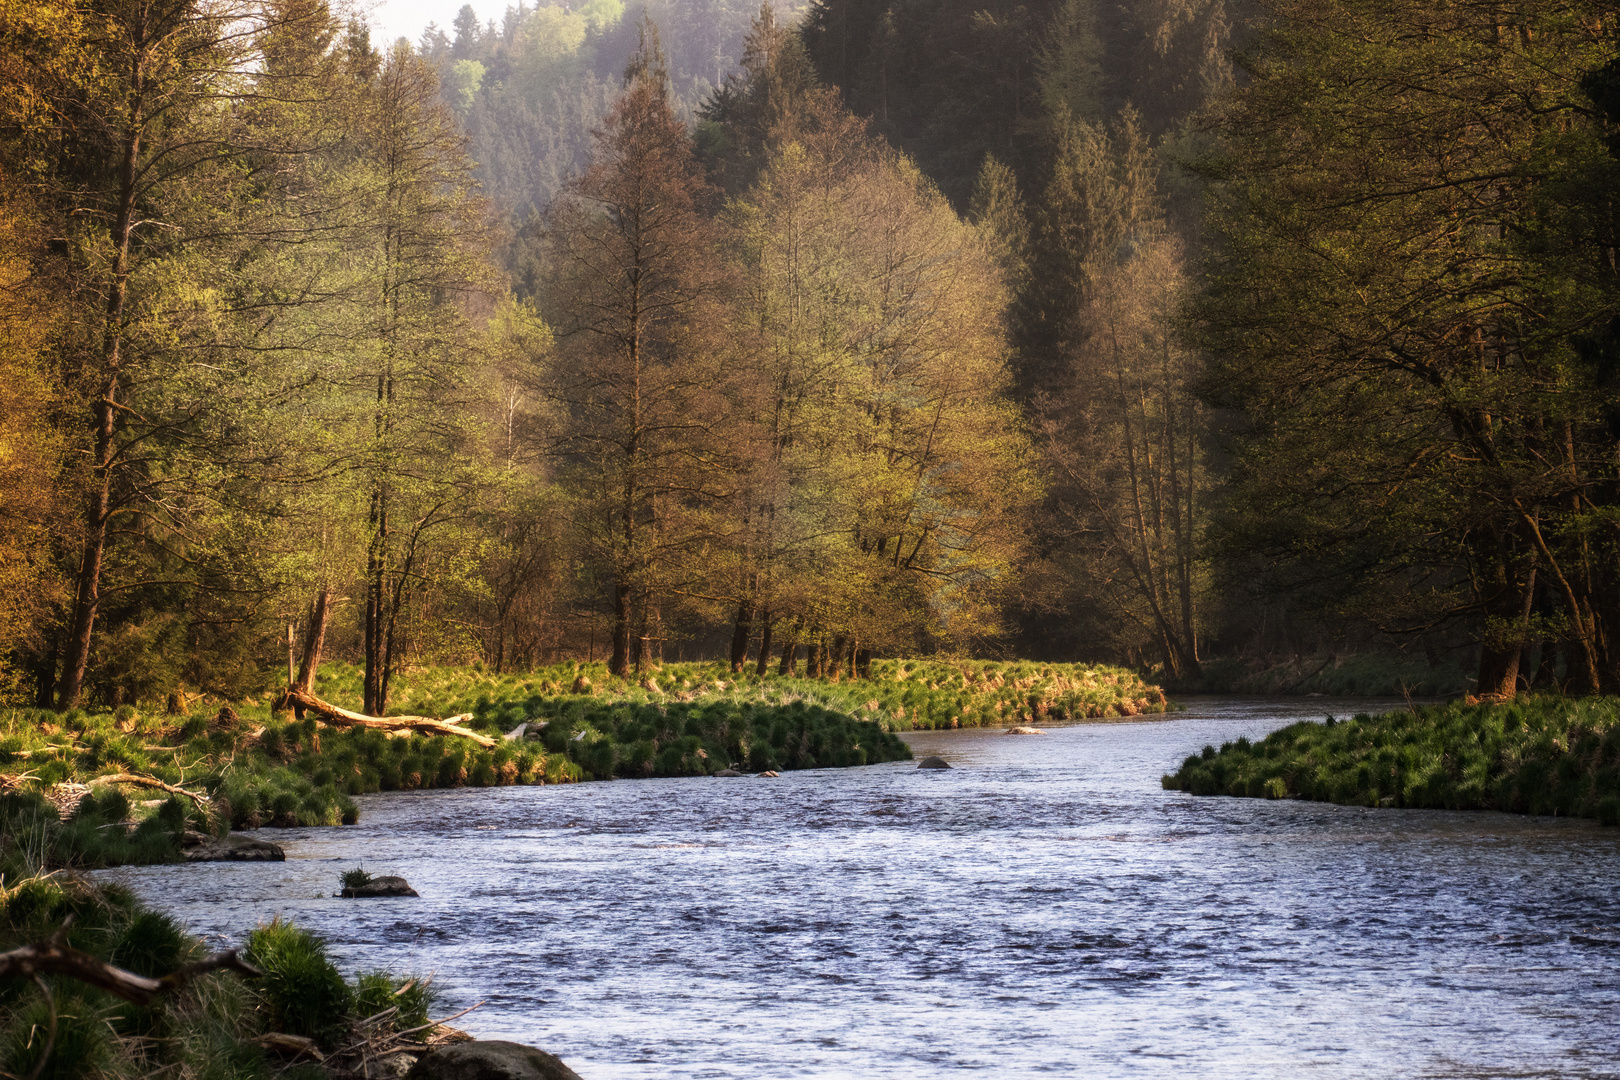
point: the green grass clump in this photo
(207, 1028)
(1542, 755)
(302, 991)
(99, 834)
(608, 739)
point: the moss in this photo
(1545, 755)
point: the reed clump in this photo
(1535, 755)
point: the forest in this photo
(1187, 335)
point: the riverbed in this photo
(1044, 908)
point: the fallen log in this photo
(425, 725)
(151, 782)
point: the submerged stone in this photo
(933, 763)
(200, 847)
(380, 886)
(490, 1060)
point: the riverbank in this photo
(1541, 755)
(286, 1012)
(240, 765)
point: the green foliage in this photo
(153, 944)
(302, 991)
(204, 1030)
(353, 879)
(96, 836)
(1538, 755)
(1405, 338)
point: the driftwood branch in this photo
(151, 782)
(57, 957)
(426, 725)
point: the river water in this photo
(1044, 908)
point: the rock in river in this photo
(933, 763)
(490, 1060)
(728, 772)
(1025, 731)
(380, 886)
(200, 847)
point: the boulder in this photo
(490, 1060)
(380, 886)
(200, 847)
(770, 772)
(1025, 731)
(728, 772)
(933, 763)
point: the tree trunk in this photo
(646, 621)
(1500, 654)
(814, 661)
(619, 661)
(741, 628)
(45, 680)
(863, 663)
(764, 644)
(835, 659)
(87, 592)
(314, 639)
(790, 659)
(376, 601)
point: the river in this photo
(1044, 908)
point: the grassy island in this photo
(250, 767)
(1541, 755)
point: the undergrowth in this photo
(205, 1030)
(1542, 755)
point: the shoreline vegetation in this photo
(1532, 755)
(278, 1009)
(244, 765)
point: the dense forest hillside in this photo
(529, 91)
(1149, 333)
